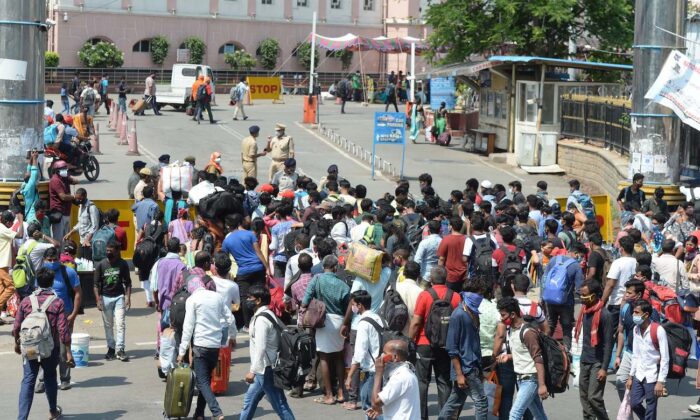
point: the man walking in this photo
(88, 223)
(121, 88)
(249, 153)
(46, 299)
(204, 93)
(60, 199)
(205, 310)
(281, 148)
(264, 345)
(390, 92)
(75, 92)
(88, 98)
(7, 237)
(598, 329)
(450, 255)
(238, 95)
(149, 94)
(113, 296)
(104, 92)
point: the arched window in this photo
(142, 46)
(97, 39)
(230, 47)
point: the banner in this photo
(389, 128)
(265, 87)
(442, 89)
(678, 88)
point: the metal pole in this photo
(313, 55)
(413, 72)
(22, 86)
(655, 129)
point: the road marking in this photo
(146, 343)
(343, 153)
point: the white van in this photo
(179, 93)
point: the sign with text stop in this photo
(265, 87)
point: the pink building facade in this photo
(228, 25)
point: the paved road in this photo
(116, 390)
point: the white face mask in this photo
(217, 160)
(63, 173)
(278, 133)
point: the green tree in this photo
(530, 27)
(345, 57)
(101, 55)
(159, 49)
(240, 60)
(197, 49)
(51, 59)
(304, 55)
(268, 51)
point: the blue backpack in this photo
(100, 239)
(556, 286)
(586, 204)
(50, 134)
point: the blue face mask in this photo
(52, 265)
(638, 320)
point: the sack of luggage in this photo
(176, 177)
(218, 205)
(179, 390)
(364, 262)
(220, 376)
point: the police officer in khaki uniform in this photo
(281, 148)
(249, 152)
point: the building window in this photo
(228, 48)
(302, 3)
(268, 2)
(97, 39)
(369, 5)
(335, 4)
(142, 46)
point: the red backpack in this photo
(665, 300)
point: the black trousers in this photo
(432, 359)
(563, 314)
(390, 102)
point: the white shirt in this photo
(400, 395)
(293, 264)
(642, 223)
(368, 340)
(358, 232)
(37, 254)
(409, 291)
(264, 342)
(341, 232)
(228, 289)
(526, 306)
(204, 311)
(469, 245)
(645, 357)
(669, 269)
(622, 269)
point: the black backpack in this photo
(414, 234)
(512, 265)
(202, 94)
(386, 335)
(177, 304)
(218, 205)
(296, 352)
(679, 343)
(438, 318)
(146, 254)
(555, 357)
(394, 310)
(481, 263)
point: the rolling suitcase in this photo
(139, 106)
(444, 139)
(220, 376)
(179, 391)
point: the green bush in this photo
(304, 55)
(197, 49)
(345, 57)
(240, 60)
(159, 49)
(101, 55)
(269, 50)
(51, 59)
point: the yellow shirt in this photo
(84, 128)
(281, 148)
(249, 149)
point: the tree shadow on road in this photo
(103, 381)
(109, 415)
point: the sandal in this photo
(322, 400)
(350, 406)
(59, 413)
(309, 386)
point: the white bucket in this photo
(80, 348)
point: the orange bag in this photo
(220, 376)
(493, 390)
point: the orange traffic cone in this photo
(133, 142)
(248, 99)
(95, 141)
(117, 123)
(123, 128)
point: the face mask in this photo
(251, 305)
(508, 321)
(63, 173)
(355, 309)
(77, 202)
(396, 262)
(278, 133)
(587, 299)
(110, 255)
(638, 320)
(689, 248)
(217, 160)
(52, 265)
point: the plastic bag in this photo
(625, 411)
(493, 390)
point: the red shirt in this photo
(451, 249)
(58, 185)
(120, 233)
(500, 257)
(423, 308)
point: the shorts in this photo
(691, 300)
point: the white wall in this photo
(274, 11)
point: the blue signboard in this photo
(442, 89)
(389, 128)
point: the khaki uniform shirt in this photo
(281, 148)
(249, 149)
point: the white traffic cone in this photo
(133, 142)
(95, 141)
(123, 128)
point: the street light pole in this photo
(313, 55)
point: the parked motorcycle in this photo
(86, 164)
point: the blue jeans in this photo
(31, 371)
(366, 393)
(527, 399)
(265, 385)
(113, 309)
(506, 376)
(122, 104)
(66, 105)
(474, 389)
(205, 360)
(643, 392)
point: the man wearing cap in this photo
(281, 148)
(249, 153)
(60, 199)
(163, 161)
(332, 170)
(135, 177)
(145, 175)
(287, 178)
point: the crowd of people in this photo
(467, 285)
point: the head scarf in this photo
(472, 300)
(214, 163)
